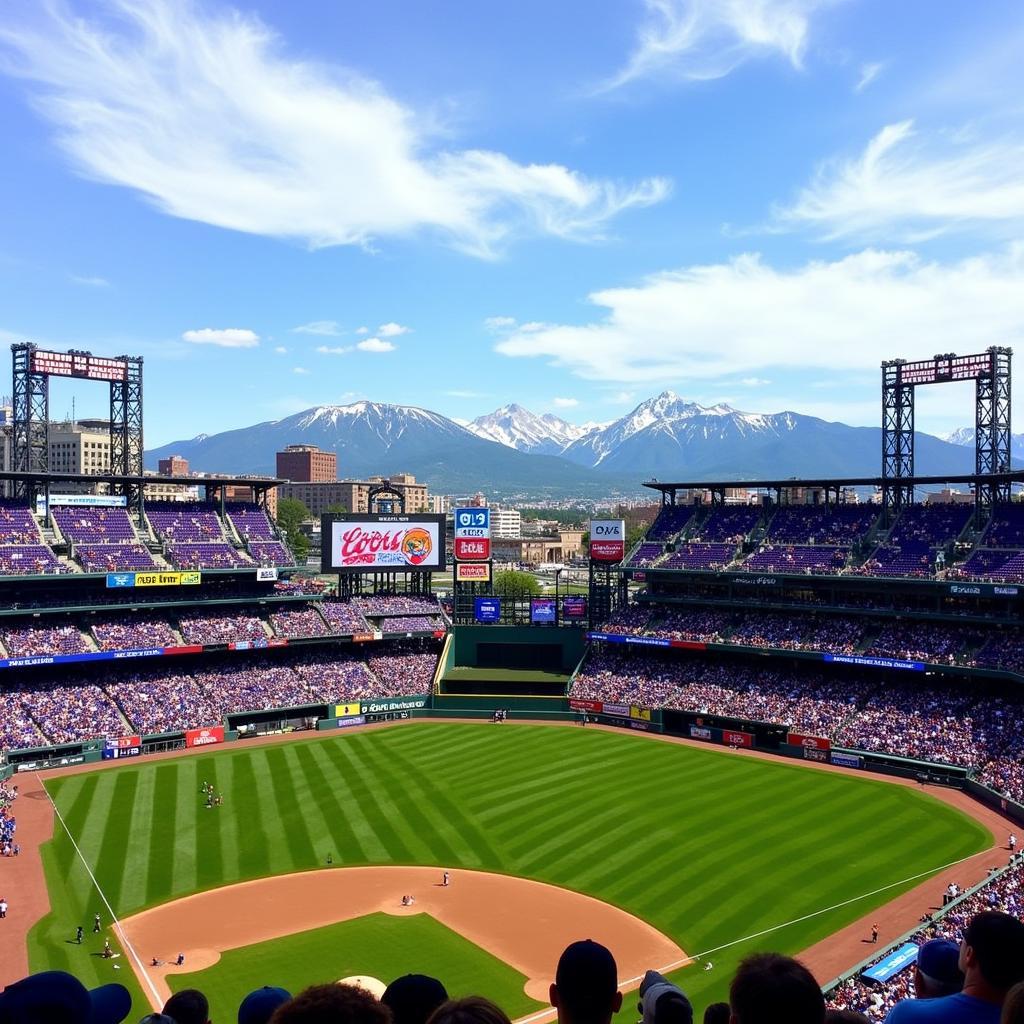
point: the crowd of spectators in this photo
(16, 726)
(411, 623)
(396, 604)
(834, 525)
(344, 617)
(68, 713)
(8, 822)
(38, 640)
(220, 627)
(131, 630)
(193, 537)
(1003, 891)
(295, 620)
(405, 668)
(102, 539)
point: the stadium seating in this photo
(127, 631)
(34, 641)
(192, 536)
(102, 539)
(729, 523)
(344, 617)
(796, 558)
(198, 627)
(296, 620)
(412, 623)
(253, 526)
(270, 552)
(671, 520)
(646, 554)
(921, 531)
(22, 551)
(701, 556)
(832, 525)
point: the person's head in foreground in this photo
(189, 1006)
(773, 989)
(471, 1010)
(54, 997)
(717, 1013)
(259, 1006)
(937, 971)
(413, 998)
(661, 1002)
(332, 1004)
(992, 955)
(1013, 1005)
(586, 985)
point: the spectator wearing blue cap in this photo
(259, 1006)
(991, 957)
(189, 1006)
(937, 971)
(55, 997)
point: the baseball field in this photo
(698, 850)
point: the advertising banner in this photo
(574, 608)
(542, 609)
(585, 705)
(364, 543)
(798, 739)
(348, 710)
(700, 732)
(813, 754)
(344, 723)
(267, 573)
(607, 540)
(737, 739)
(984, 590)
(618, 710)
(487, 609)
(204, 737)
(473, 549)
(642, 641)
(473, 572)
(122, 746)
(641, 714)
(858, 659)
(847, 760)
(472, 522)
(363, 638)
(382, 705)
(895, 962)
(190, 578)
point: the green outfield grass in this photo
(706, 845)
(371, 945)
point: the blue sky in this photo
(459, 205)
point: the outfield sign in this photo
(574, 608)
(267, 574)
(349, 710)
(204, 737)
(543, 610)
(487, 609)
(846, 760)
(358, 542)
(122, 746)
(858, 659)
(472, 549)
(472, 522)
(799, 739)
(473, 572)
(648, 641)
(734, 738)
(344, 723)
(983, 590)
(576, 704)
(117, 580)
(607, 540)
(383, 705)
(895, 962)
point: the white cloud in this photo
(465, 394)
(868, 73)
(623, 397)
(744, 316)
(499, 323)
(910, 187)
(328, 328)
(281, 350)
(754, 382)
(204, 112)
(392, 330)
(90, 282)
(301, 370)
(226, 337)
(705, 39)
(333, 350)
(565, 403)
(362, 330)
(375, 345)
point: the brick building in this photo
(305, 463)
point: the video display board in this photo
(358, 542)
(542, 609)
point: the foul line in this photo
(155, 1001)
(542, 1014)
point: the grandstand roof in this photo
(185, 481)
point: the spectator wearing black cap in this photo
(471, 1010)
(770, 989)
(937, 971)
(661, 1002)
(586, 986)
(717, 1013)
(189, 1006)
(54, 997)
(413, 998)
(259, 1006)
(992, 960)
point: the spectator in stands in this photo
(937, 971)
(50, 997)
(189, 1006)
(586, 985)
(1013, 1006)
(471, 1010)
(770, 989)
(661, 1002)
(717, 1013)
(992, 960)
(259, 1006)
(412, 998)
(337, 1004)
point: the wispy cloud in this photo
(281, 350)
(868, 73)
(327, 328)
(912, 187)
(362, 330)
(392, 330)
(754, 382)
(565, 403)
(745, 317)
(499, 323)
(90, 282)
(334, 350)
(300, 370)
(224, 337)
(375, 345)
(465, 394)
(705, 39)
(202, 110)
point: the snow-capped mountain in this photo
(516, 427)
(672, 438)
(965, 436)
(375, 438)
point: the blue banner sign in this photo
(895, 962)
(487, 609)
(847, 760)
(858, 659)
(643, 641)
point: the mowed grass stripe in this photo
(116, 834)
(228, 840)
(135, 864)
(161, 836)
(187, 838)
(246, 791)
(210, 828)
(307, 805)
(291, 821)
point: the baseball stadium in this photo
(787, 719)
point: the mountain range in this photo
(513, 452)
